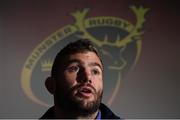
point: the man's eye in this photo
(73, 69)
(95, 72)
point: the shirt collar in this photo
(98, 117)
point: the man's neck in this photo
(59, 113)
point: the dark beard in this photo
(66, 100)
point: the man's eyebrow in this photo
(73, 61)
(78, 61)
(96, 64)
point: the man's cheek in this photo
(69, 82)
(100, 86)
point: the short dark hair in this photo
(79, 46)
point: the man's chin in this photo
(79, 103)
(84, 99)
(88, 105)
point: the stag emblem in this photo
(134, 35)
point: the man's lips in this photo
(85, 91)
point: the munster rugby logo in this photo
(118, 40)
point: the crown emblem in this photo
(46, 65)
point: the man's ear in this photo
(50, 85)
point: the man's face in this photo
(80, 83)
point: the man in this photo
(76, 83)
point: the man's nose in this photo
(84, 75)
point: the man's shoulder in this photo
(106, 113)
(49, 114)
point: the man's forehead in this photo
(85, 57)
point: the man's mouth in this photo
(85, 92)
